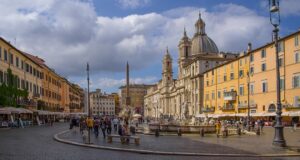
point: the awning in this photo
(291, 113)
(10, 110)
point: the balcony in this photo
(26, 102)
(245, 105)
(230, 96)
(36, 95)
(228, 107)
(208, 109)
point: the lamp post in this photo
(275, 21)
(248, 115)
(88, 99)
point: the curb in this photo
(141, 151)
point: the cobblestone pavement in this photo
(36, 143)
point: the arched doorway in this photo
(272, 108)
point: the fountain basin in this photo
(184, 128)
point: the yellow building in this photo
(226, 86)
(47, 89)
(28, 72)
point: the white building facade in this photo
(102, 104)
(182, 98)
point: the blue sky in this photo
(107, 33)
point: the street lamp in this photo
(248, 87)
(88, 99)
(275, 21)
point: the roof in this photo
(21, 52)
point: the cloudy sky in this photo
(107, 33)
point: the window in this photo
(251, 88)
(241, 62)
(251, 57)
(207, 83)
(0, 53)
(17, 61)
(219, 94)
(231, 76)
(207, 96)
(225, 78)
(213, 95)
(251, 70)
(297, 58)
(241, 90)
(282, 84)
(11, 57)
(5, 55)
(296, 81)
(264, 86)
(263, 53)
(296, 40)
(280, 62)
(280, 47)
(263, 67)
(241, 73)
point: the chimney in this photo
(249, 47)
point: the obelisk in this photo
(127, 86)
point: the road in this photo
(36, 143)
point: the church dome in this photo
(201, 43)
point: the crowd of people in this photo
(106, 125)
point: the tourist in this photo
(103, 127)
(108, 125)
(96, 127)
(115, 123)
(218, 127)
(294, 123)
(90, 123)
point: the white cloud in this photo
(110, 83)
(69, 33)
(290, 7)
(132, 3)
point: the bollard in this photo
(157, 133)
(179, 132)
(258, 131)
(202, 132)
(239, 131)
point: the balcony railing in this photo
(25, 102)
(230, 96)
(245, 105)
(228, 107)
(208, 109)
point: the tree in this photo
(9, 92)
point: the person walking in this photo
(115, 123)
(218, 127)
(108, 126)
(90, 123)
(103, 127)
(96, 127)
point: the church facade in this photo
(182, 98)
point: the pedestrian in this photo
(103, 127)
(218, 127)
(294, 125)
(108, 126)
(262, 124)
(96, 127)
(90, 123)
(115, 123)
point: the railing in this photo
(208, 109)
(228, 107)
(230, 96)
(245, 105)
(27, 102)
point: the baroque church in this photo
(182, 98)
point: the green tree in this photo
(9, 92)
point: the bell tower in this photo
(167, 72)
(184, 47)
